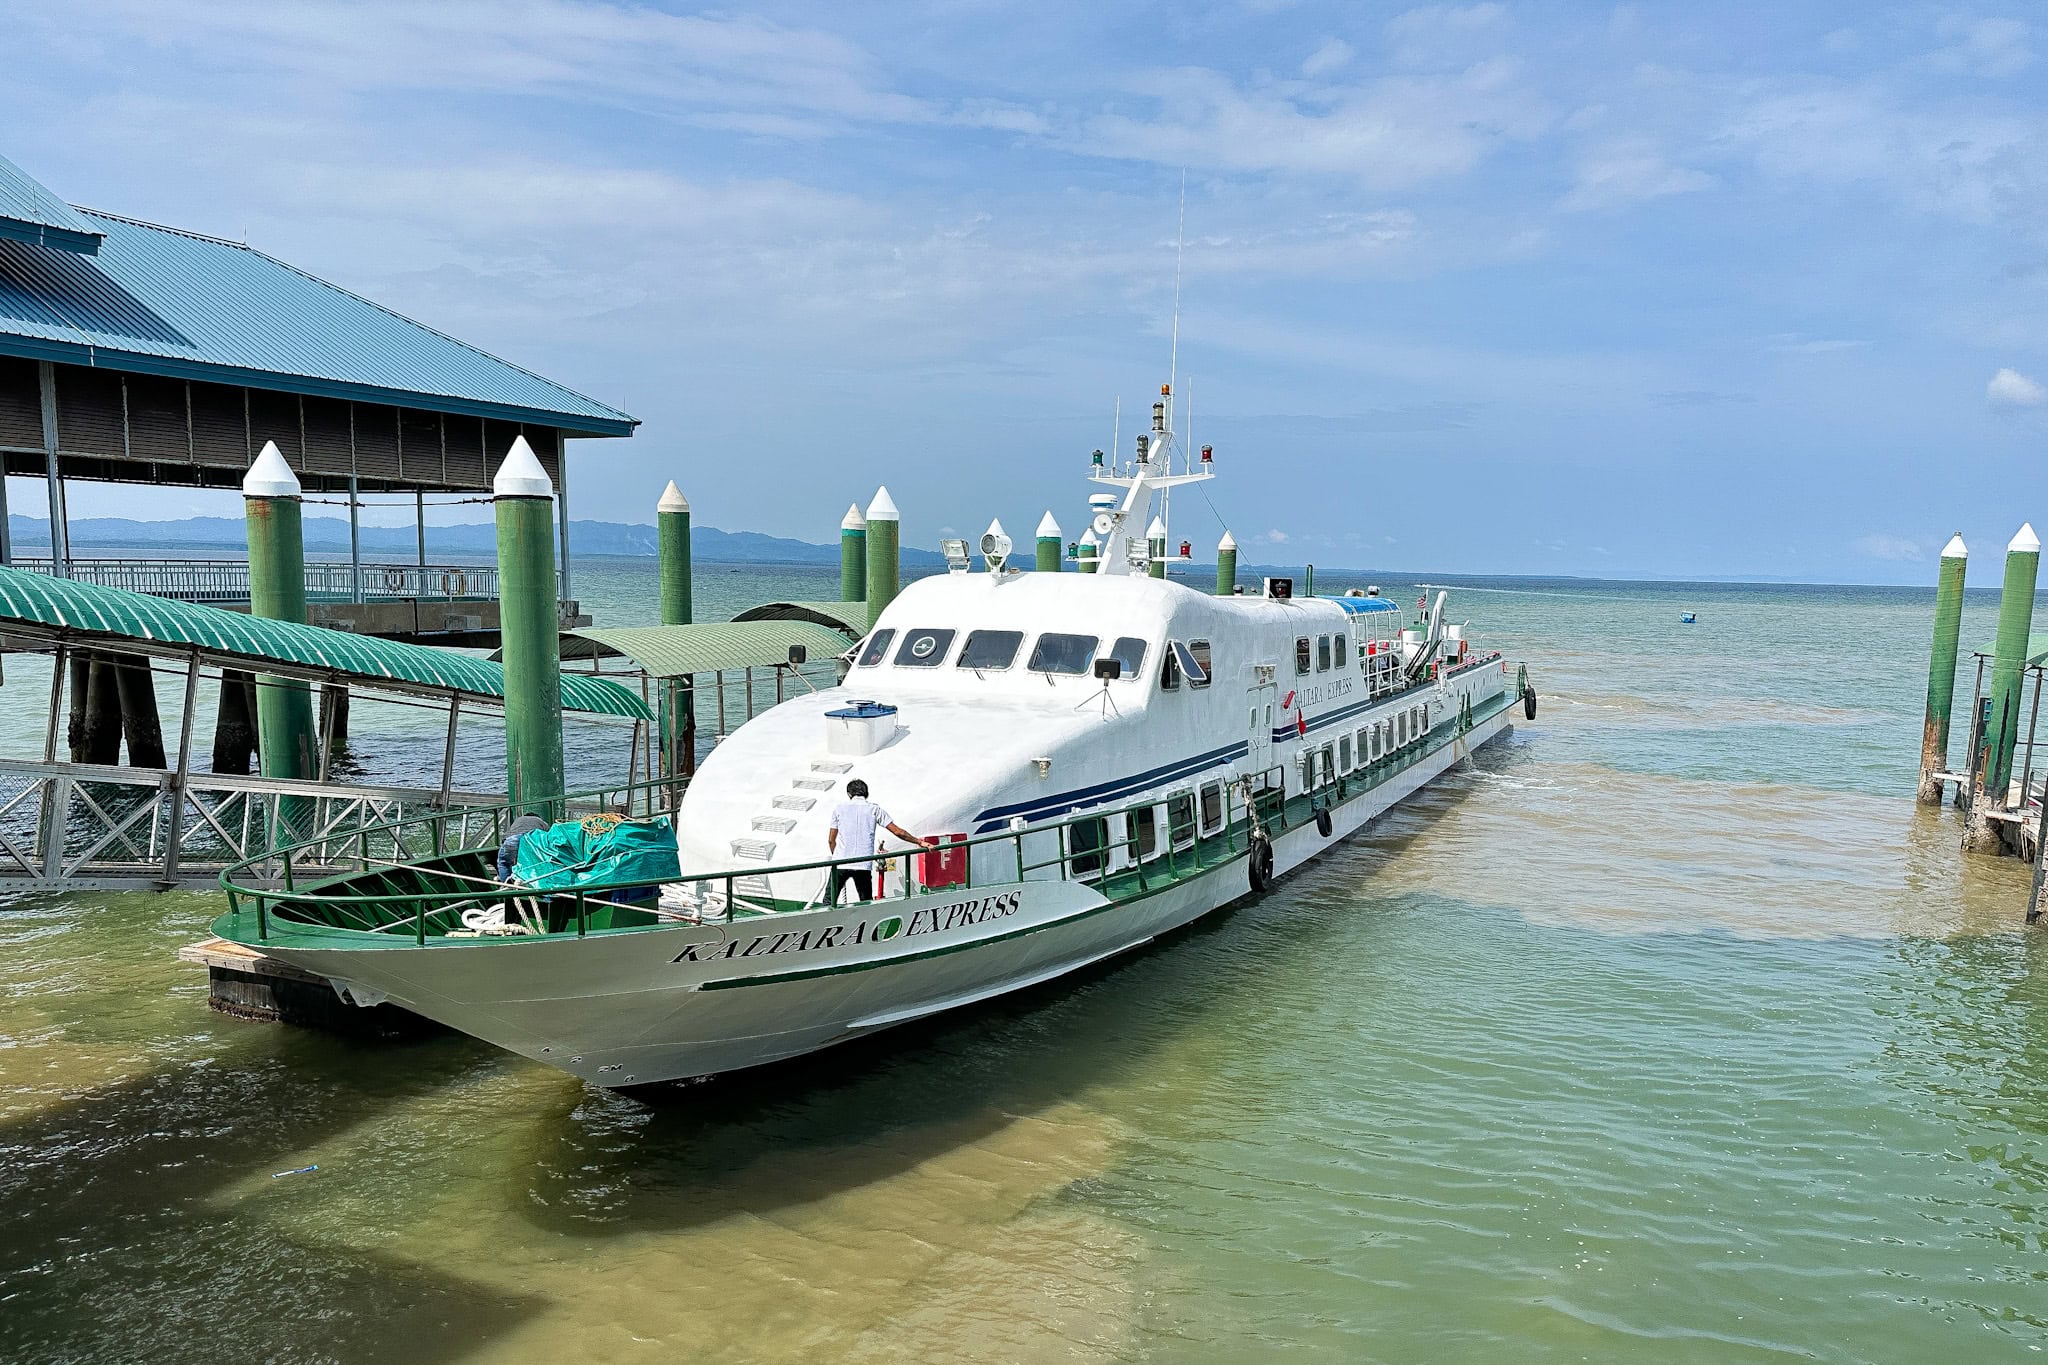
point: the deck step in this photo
(771, 824)
(820, 766)
(814, 784)
(794, 802)
(760, 850)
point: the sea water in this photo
(1669, 1030)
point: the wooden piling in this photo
(141, 726)
(334, 715)
(234, 728)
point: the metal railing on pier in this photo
(227, 580)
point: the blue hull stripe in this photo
(1045, 807)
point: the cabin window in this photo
(877, 646)
(990, 649)
(1169, 670)
(1201, 674)
(1180, 819)
(1069, 654)
(1343, 643)
(923, 648)
(1344, 754)
(1301, 655)
(1144, 832)
(1401, 728)
(1085, 840)
(1329, 764)
(1374, 734)
(1421, 726)
(1129, 654)
(1212, 808)
(1322, 654)
(1189, 666)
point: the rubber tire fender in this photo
(1259, 862)
(1529, 702)
(1323, 821)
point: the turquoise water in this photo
(1670, 1031)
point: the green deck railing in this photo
(423, 897)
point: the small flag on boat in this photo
(1300, 723)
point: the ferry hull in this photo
(638, 1006)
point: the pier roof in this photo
(69, 611)
(30, 213)
(158, 300)
(849, 617)
(678, 651)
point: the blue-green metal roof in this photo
(160, 301)
(30, 213)
(93, 610)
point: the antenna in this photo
(1116, 433)
(1180, 239)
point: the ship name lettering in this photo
(931, 920)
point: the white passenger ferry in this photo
(1105, 755)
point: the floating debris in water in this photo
(299, 1171)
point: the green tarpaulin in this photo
(597, 852)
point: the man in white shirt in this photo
(854, 822)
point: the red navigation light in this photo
(1207, 455)
(1187, 549)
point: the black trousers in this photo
(863, 881)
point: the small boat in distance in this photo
(1688, 618)
(1102, 757)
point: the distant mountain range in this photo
(469, 541)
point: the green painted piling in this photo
(853, 556)
(1049, 544)
(285, 737)
(1155, 548)
(883, 529)
(1308, 582)
(678, 720)
(2009, 656)
(529, 622)
(1089, 553)
(1226, 565)
(1941, 668)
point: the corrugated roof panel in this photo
(851, 617)
(161, 301)
(30, 213)
(675, 651)
(32, 597)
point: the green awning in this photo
(675, 651)
(850, 618)
(2037, 650)
(84, 610)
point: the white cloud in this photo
(2011, 389)
(1879, 546)
(1442, 34)
(1277, 537)
(1334, 53)
(1628, 173)
(1996, 48)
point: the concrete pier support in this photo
(1049, 544)
(1226, 566)
(884, 575)
(2008, 673)
(529, 616)
(95, 721)
(277, 591)
(141, 726)
(1941, 668)
(853, 555)
(678, 702)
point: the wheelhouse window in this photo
(923, 648)
(1322, 654)
(1169, 670)
(877, 646)
(1129, 653)
(1212, 807)
(1185, 661)
(990, 649)
(1201, 674)
(1302, 655)
(1066, 654)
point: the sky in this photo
(1637, 290)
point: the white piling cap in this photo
(521, 476)
(2026, 542)
(1088, 539)
(1955, 549)
(672, 500)
(853, 520)
(883, 508)
(1229, 542)
(270, 476)
(995, 528)
(1048, 529)
(1156, 531)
